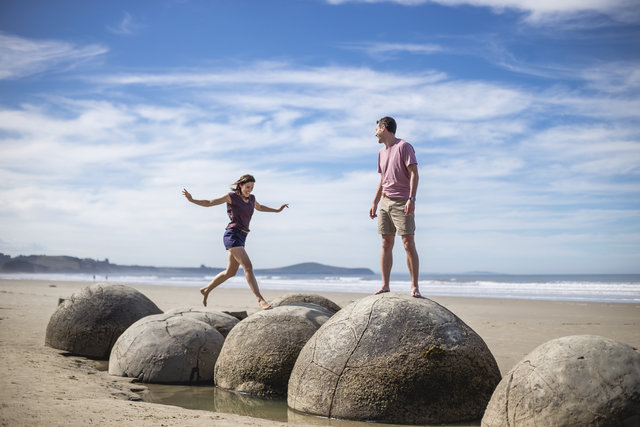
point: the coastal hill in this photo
(68, 264)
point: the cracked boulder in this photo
(260, 351)
(571, 381)
(168, 349)
(223, 322)
(297, 298)
(91, 320)
(396, 359)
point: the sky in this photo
(525, 118)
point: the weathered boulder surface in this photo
(582, 380)
(396, 359)
(168, 349)
(295, 298)
(91, 320)
(223, 322)
(260, 351)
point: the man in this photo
(396, 194)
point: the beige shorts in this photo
(391, 218)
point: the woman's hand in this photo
(286, 205)
(187, 195)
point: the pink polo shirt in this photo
(393, 163)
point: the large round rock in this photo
(297, 298)
(396, 359)
(260, 351)
(223, 322)
(90, 321)
(168, 349)
(571, 381)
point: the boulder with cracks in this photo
(91, 320)
(298, 298)
(168, 349)
(223, 322)
(571, 381)
(260, 351)
(396, 359)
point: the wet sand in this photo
(43, 386)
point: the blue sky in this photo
(525, 117)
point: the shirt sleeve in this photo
(409, 155)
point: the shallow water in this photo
(210, 398)
(618, 288)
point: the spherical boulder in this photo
(91, 320)
(295, 298)
(260, 351)
(397, 359)
(571, 381)
(168, 349)
(223, 322)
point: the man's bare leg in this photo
(232, 269)
(413, 263)
(386, 262)
(242, 258)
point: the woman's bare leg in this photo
(232, 269)
(242, 258)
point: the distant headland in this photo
(70, 265)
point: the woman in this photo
(240, 206)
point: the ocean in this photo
(616, 288)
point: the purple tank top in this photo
(240, 212)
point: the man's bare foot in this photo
(264, 305)
(416, 293)
(205, 295)
(381, 291)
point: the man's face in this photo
(379, 131)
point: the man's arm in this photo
(410, 207)
(376, 200)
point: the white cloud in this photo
(126, 27)
(538, 11)
(276, 74)
(20, 57)
(383, 51)
(620, 77)
(82, 173)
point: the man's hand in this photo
(372, 211)
(409, 208)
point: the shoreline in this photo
(582, 288)
(42, 386)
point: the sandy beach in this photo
(43, 386)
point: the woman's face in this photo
(246, 189)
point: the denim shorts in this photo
(234, 237)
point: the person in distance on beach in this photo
(397, 189)
(240, 206)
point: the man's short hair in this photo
(389, 123)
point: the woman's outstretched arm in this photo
(207, 203)
(263, 208)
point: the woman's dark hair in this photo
(240, 182)
(389, 123)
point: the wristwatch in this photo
(413, 199)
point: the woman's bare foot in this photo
(416, 293)
(263, 304)
(382, 290)
(205, 293)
